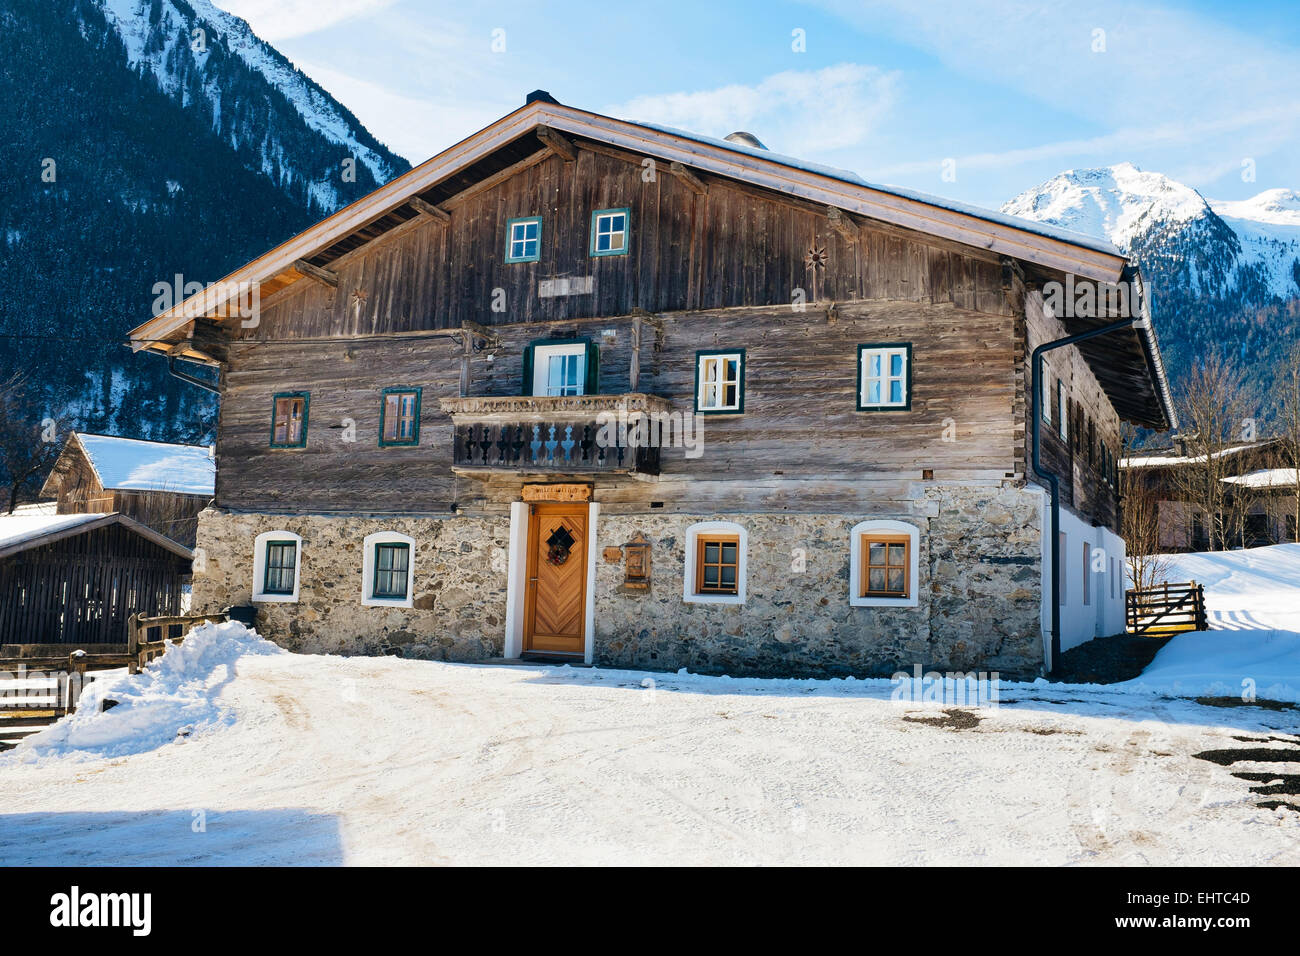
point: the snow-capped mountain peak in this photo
(1278, 206)
(1113, 202)
(209, 60)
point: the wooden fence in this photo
(1166, 609)
(44, 684)
(147, 637)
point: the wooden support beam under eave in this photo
(430, 210)
(323, 276)
(558, 143)
(692, 182)
(842, 223)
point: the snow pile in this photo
(1252, 599)
(177, 695)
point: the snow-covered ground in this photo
(228, 750)
(1252, 599)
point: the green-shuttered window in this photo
(399, 417)
(610, 231)
(289, 420)
(885, 376)
(561, 367)
(392, 561)
(281, 563)
(524, 239)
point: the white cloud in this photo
(274, 20)
(1158, 64)
(798, 112)
(1277, 124)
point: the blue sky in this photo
(1012, 92)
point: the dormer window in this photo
(524, 239)
(885, 377)
(609, 232)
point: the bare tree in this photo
(29, 439)
(1141, 523)
(1216, 417)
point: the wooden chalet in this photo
(77, 578)
(1257, 506)
(159, 484)
(590, 390)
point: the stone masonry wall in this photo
(980, 566)
(460, 584)
(979, 591)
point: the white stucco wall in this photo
(1104, 613)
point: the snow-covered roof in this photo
(129, 464)
(21, 528)
(1266, 478)
(847, 176)
(18, 532)
(1163, 461)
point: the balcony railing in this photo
(556, 435)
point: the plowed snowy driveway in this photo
(372, 761)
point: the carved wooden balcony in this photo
(550, 435)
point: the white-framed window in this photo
(388, 570)
(277, 561)
(609, 232)
(559, 369)
(884, 564)
(717, 561)
(1045, 396)
(524, 239)
(1062, 410)
(720, 381)
(885, 376)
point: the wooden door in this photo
(556, 609)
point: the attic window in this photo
(609, 232)
(289, 420)
(524, 239)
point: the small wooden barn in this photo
(160, 484)
(77, 579)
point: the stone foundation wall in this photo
(460, 584)
(979, 586)
(979, 579)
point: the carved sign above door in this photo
(556, 493)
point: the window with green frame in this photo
(524, 239)
(885, 376)
(392, 563)
(289, 420)
(610, 232)
(399, 417)
(281, 565)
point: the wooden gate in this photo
(1166, 609)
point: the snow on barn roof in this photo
(1165, 460)
(20, 528)
(18, 532)
(1266, 478)
(130, 464)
